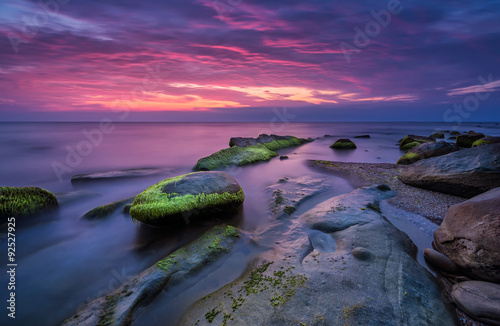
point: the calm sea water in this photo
(65, 262)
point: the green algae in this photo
(277, 144)
(340, 144)
(409, 158)
(234, 156)
(289, 210)
(406, 147)
(24, 201)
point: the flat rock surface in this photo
(480, 300)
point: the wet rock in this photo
(362, 136)
(283, 157)
(480, 300)
(414, 139)
(343, 144)
(486, 141)
(469, 236)
(187, 198)
(116, 174)
(440, 260)
(465, 173)
(272, 142)
(25, 201)
(118, 308)
(437, 135)
(427, 150)
(106, 210)
(468, 139)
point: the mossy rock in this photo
(455, 133)
(343, 144)
(414, 139)
(187, 198)
(106, 210)
(437, 135)
(272, 142)
(409, 158)
(468, 139)
(409, 146)
(235, 156)
(486, 141)
(25, 201)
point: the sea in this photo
(64, 262)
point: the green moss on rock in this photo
(409, 158)
(24, 201)
(235, 156)
(343, 144)
(486, 141)
(277, 144)
(105, 210)
(409, 146)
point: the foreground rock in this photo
(187, 198)
(118, 308)
(412, 141)
(468, 139)
(25, 201)
(106, 210)
(117, 174)
(343, 144)
(464, 173)
(245, 151)
(469, 236)
(341, 263)
(486, 141)
(427, 150)
(480, 300)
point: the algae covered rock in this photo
(119, 307)
(188, 197)
(468, 139)
(235, 156)
(25, 201)
(486, 141)
(414, 139)
(343, 144)
(427, 150)
(273, 142)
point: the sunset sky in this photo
(244, 60)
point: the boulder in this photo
(469, 236)
(118, 308)
(193, 196)
(25, 201)
(335, 264)
(343, 144)
(480, 300)
(465, 173)
(440, 260)
(468, 139)
(414, 139)
(427, 150)
(409, 146)
(273, 142)
(455, 133)
(486, 141)
(437, 135)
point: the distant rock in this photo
(343, 144)
(437, 135)
(468, 139)
(414, 139)
(116, 174)
(480, 300)
(362, 136)
(469, 236)
(284, 157)
(486, 141)
(187, 198)
(465, 173)
(427, 150)
(106, 210)
(455, 133)
(272, 142)
(25, 201)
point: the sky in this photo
(249, 60)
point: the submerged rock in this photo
(480, 300)
(362, 136)
(25, 201)
(343, 144)
(117, 174)
(465, 173)
(437, 135)
(106, 210)
(427, 150)
(118, 307)
(336, 264)
(187, 198)
(469, 236)
(468, 139)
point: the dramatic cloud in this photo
(245, 57)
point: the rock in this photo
(440, 260)
(295, 283)
(437, 135)
(189, 197)
(469, 236)
(248, 150)
(323, 242)
(455, 133)
(283, 157)
(362, 136)
(468, 139)
(409, 146)
(343, 144)
(464, 173)
(414, 139)
(25, 201)
(361, 253)
(486, 141)
(289, 193)
(126, 209)
(480, 300)
(118, 308)
(106, 210)
(117, 174)
(427, 150)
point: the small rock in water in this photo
(361, 253)
(283, 157)
(322, 241)
(480, 300)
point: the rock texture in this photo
(25, 201)
(188, 198)
(404, 143)
(340, 263)
(440, 260)
(343, 144)
(480, 300)
(464, 173)
(486, 141)
(427, 150)
(468, 139)
(470, 236)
